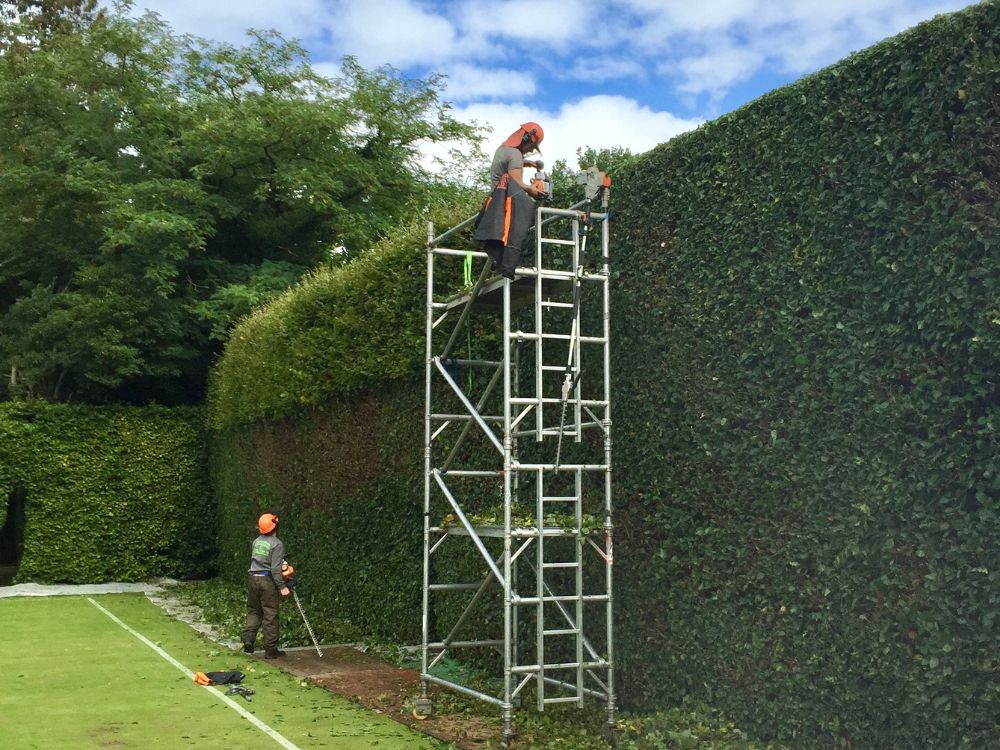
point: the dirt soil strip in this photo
(385, 688)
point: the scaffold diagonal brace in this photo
(468, 425)
(469, 528)
(468, 405)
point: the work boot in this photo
(247, 647)
(273, 653)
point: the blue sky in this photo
(629, 73)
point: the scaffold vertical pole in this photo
(428, 354)
(508, 706)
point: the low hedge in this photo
(112, 494)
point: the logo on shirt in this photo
(261, 548)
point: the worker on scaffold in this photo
(509, 212)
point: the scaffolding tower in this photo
(543, 440)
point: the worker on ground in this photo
(265, 587)
(509, 212)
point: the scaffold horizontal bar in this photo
(465, 417)
(461, 253)
(565, 305)
(554, 565)
(526, 600)
(472, 472)
(555, 430)
(475, 363)
(534, 668)
(548, 531)
(520, 532)
(550, 241)
(561, 467)
(524, 336)
(562, 699)
(570, 686)
(462, 689)
(464, 644)
(570, 214)
(553, 400)
(454, 586)
(549, 273)
(560, 499)
(565, 631)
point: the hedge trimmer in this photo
(288, 572)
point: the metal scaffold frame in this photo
(571, 660)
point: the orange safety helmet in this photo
(267, 523)
(529, 132)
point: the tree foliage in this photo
(154, 188)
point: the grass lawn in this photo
(75, 678)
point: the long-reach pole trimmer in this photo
(289, 573)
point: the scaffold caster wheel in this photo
(422, 708)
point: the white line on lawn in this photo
(283, 741)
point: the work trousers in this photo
(506, 259)
(262, 610)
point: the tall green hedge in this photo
(112, 494)
(296, 428)
(806, 347)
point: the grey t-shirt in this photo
(268, 553)
(505, 159)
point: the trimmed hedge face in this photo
(347, 506)
(806, 344)
(112, 494)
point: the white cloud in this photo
(507, 50)
(467, 82)
(228, 20)
(602, 68)
(718, 69)
(710, 48)
(397, 32)
(597, 121)
(542, 24)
